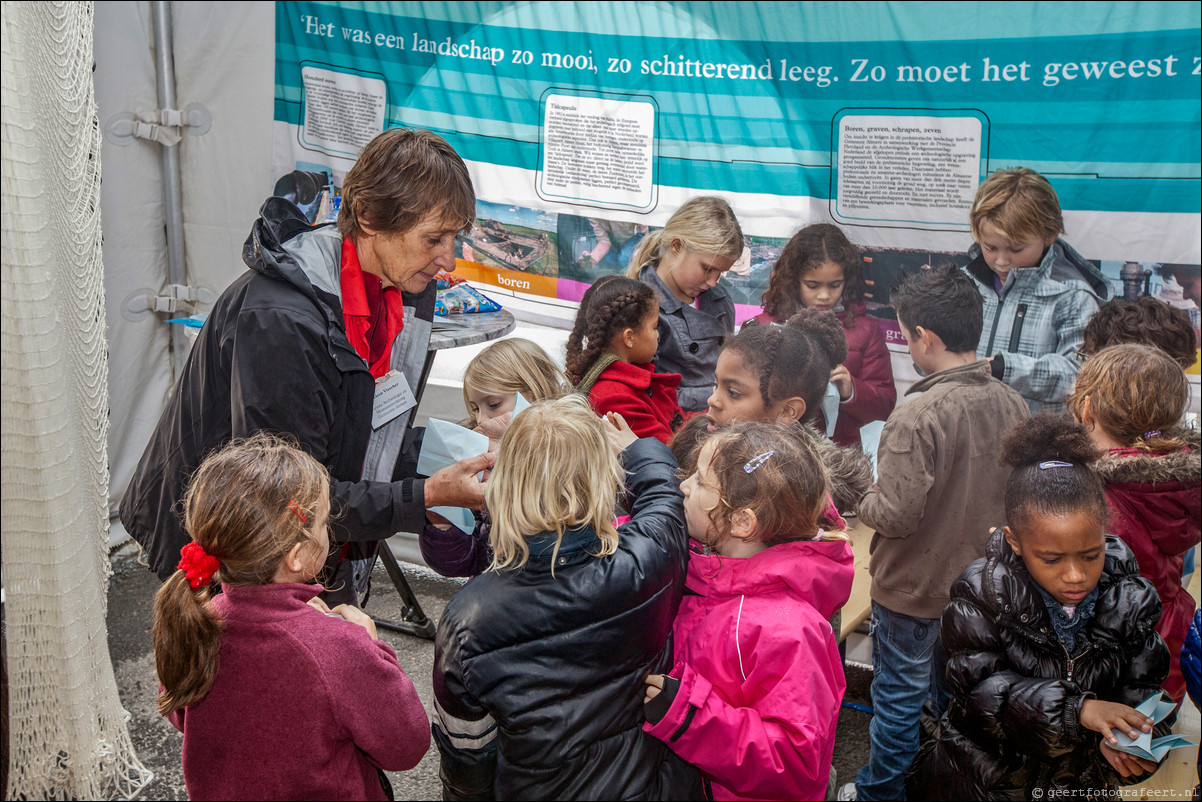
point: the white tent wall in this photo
(224, 60)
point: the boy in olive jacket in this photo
(938, 492)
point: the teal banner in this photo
(882, 117)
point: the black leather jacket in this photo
(538, 677)
(1014, 721)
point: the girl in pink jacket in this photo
(755, 693)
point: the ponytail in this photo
(705, 224)
(246, 506)
(187, 642)
(650, 250)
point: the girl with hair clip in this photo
(682, 263)
(243, 672)
(1050, 640)
(538, 660)
(820, 269)
(609, 355)
(779, 373)
(754, 695)
(1131, 399)
(491, 383)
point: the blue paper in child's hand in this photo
(1145, 746)
(443, 445)
(830, 408)
(870, 441)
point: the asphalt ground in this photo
(157, 743)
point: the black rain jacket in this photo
(273, 355)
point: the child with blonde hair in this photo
(536, 661)
(1038, 292)
(609, 355)
(682, 263)
(1131, 399)
(505, 368)
(491, 383)
(754, 695)
(244, 671)
(820, 269)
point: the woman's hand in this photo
(1126, 765)
(457, 486)
(619, 431)
(841, 378)
(1102, 717)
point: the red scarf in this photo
(372, 313)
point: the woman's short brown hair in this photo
(400, 177)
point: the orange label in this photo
(514, 280)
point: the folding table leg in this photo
(414, 618)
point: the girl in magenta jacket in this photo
(1131, 398)
(755, 693)
(609, 355)
(819, 268)
(277, 696)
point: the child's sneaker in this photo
(847, 793)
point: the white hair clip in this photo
(757, 461)
(1054, 463)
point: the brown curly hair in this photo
(612, 304)
(1144, 321)
(810, 248)
(787, 491)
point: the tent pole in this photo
(173, 205)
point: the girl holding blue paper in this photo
(491, 384)
(1050, 638)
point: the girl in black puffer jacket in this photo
(1050, 640)
(539, 661)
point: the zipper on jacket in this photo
(1016, 332)
(989, 352)
(1071, 660)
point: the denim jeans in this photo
(905, 671)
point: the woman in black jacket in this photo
(1050, 641)
(539, 662)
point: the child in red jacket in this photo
(609, 355)
(820, 269)
(1131, 399)
(278, 697)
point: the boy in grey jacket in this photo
(1039, 293)
(939, 491)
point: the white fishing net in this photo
(68, 730)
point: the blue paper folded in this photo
(446, 443)
(1145, 745)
